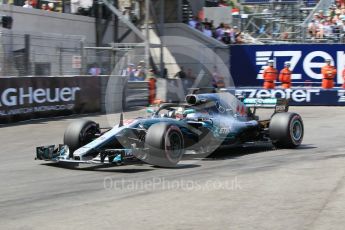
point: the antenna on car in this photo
(121, 120)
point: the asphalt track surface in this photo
(251, 188)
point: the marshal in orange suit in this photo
(328, 73)
(285, 76)
(270, 76)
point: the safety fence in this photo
(51, 55)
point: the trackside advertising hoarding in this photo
(247, 62)
(24, 98)
(296, 96)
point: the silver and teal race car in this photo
(202, 124)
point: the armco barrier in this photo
(136, 94)
(297, 96)
(172, 90)
(118, 94)
(112, 89)
(24, 98)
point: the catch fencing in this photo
(50, 55)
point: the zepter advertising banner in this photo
(24, 98)
(297, 96)
(249, 61)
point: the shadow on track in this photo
(115, 168)
(45, 120)
(236, 152)
(179, 166)
(220, 154)
(99, 168)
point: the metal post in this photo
(63, 6)
(82, 56)
(113, 59)
(147, 42)
(116, 23)
(99, 23)
(161, 25)
(179, 10)
(27, 54)
(60, 61)
(99, 29)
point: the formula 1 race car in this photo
(202, 124)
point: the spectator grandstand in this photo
(328, 24)
(273, 21)
(224, 32)
(266, 20)
(80, 7)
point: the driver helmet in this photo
(179, 113)
(171, 114)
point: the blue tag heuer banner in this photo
(247, 62)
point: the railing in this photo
(305, 2)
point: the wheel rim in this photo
(87, 134)
(174, 145)
(297, 130)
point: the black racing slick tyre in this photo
(79, 133)
(165, 143)
(286, 130)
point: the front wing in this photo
(107, 156)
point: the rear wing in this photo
(279, 104)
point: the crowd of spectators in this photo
(216, 3)
(223, 32)
(328, 24)
(135, 72)
(81, 7)
(43, 5)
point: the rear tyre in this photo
(286, 130)
(79, 133)
(165, 143)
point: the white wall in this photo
(32, 21)
(49, 31)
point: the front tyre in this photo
(79, 133)
(165, 143)
(286, 130)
